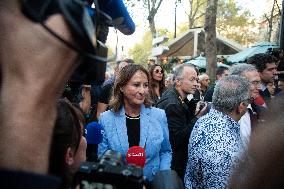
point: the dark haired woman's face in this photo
(158, 73)
(136, 89)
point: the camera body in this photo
(110, 171)
(90, 32)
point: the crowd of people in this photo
(226, 134)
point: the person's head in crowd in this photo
(68, 147)
(204, 81)
(271, 88)
(151, 62)
(232, 96)
(262, 165)
(129, 60)
(120, 65)
(185, 79)
(157, 81)
(249, 72)
(221, 72)
(131, 88)
(169, 81)
(266, 66)
(157, 73)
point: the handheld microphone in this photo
(94, 136)
(260, 101)
(119, 14)
(94, 133)
(136, 155)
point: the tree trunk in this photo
(153, 6)
(152, 26)
(210, 38)
(270, 22)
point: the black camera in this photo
(109, 172)
(90, 31)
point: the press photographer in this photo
(42, 43)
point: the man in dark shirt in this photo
(221, 72)
(180, 114)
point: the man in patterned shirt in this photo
(215, 144)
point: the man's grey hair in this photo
(241, 69)
(178, 70)
(229, 92)
(203, 76)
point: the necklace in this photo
(129, 117)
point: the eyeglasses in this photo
(191, 79)
(159, 71)
(255, 82)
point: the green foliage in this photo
(141, 51)
(196, 13)
(235, 23)
(182, 28)
(167, 33)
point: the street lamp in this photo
(175, 34)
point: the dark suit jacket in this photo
(181, 119)
(209, 93)
(265, 94)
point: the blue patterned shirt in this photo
(214, 149)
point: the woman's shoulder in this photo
(107, 114)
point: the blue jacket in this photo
(153, 131)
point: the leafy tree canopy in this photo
(141, 51)
(234, 22)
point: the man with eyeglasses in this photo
(249, 120)
(180, 113)
(215, 145)
(266, 66)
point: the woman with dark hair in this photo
(157, 82)
(131, 121)
(68, 148)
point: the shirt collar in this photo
(263, 87)
(224, 116)
(249, 106)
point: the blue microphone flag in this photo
(94, 133)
